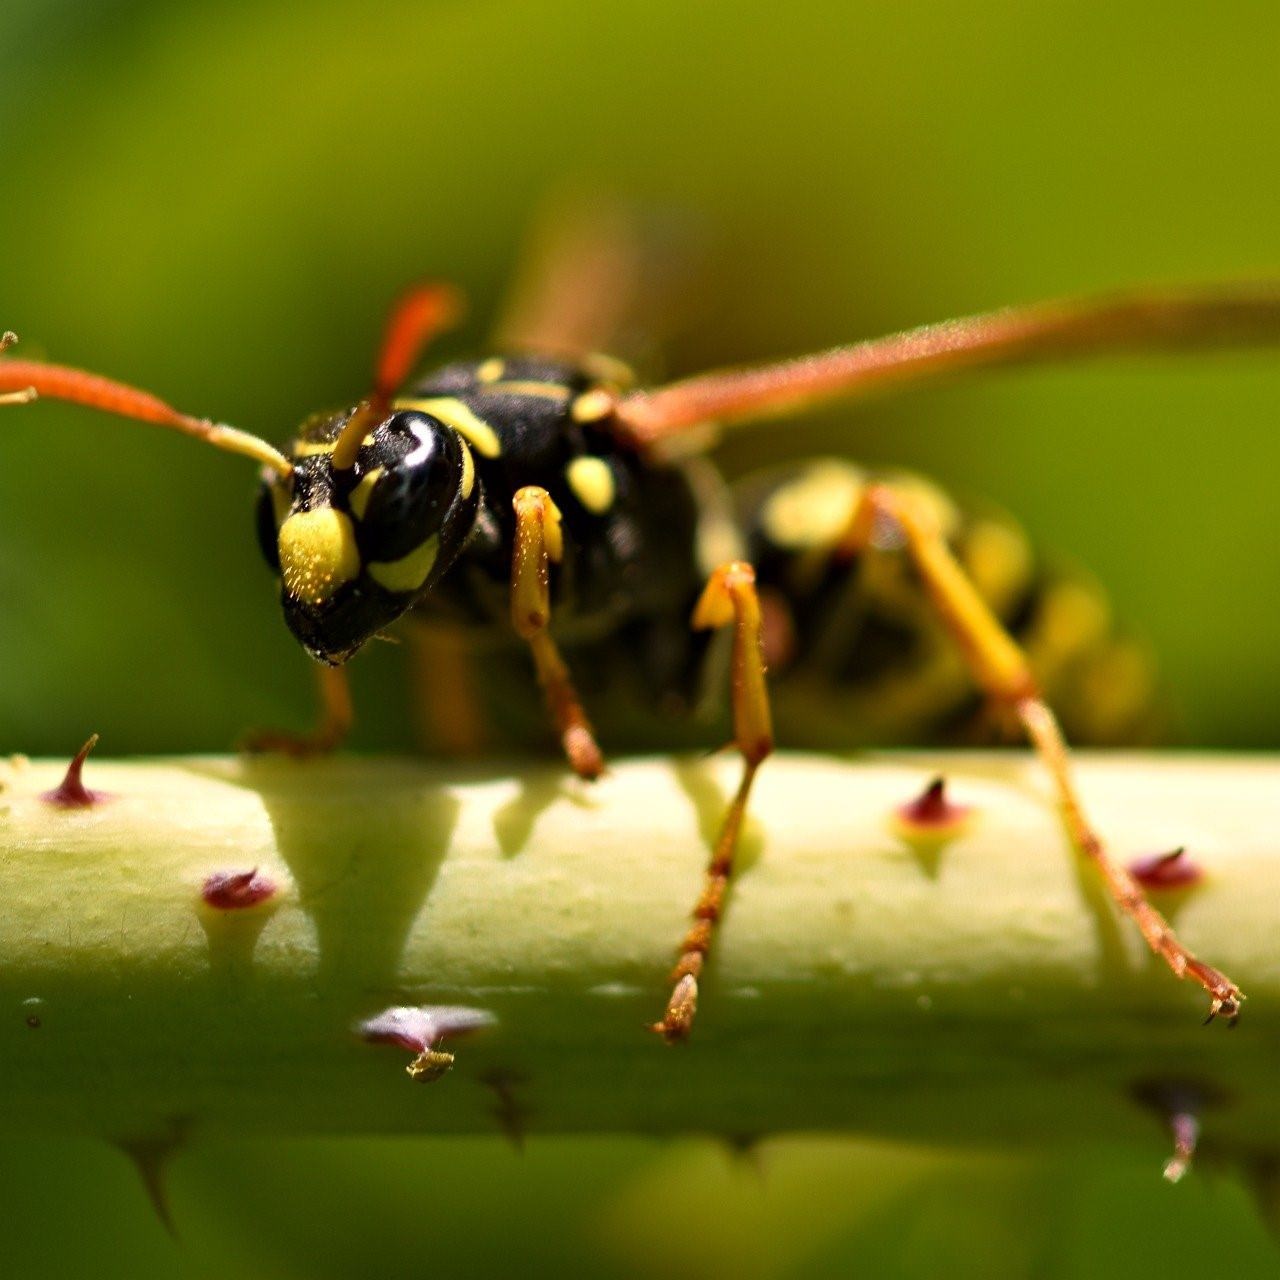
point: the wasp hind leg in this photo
(539, 543)
(1001, 668)
(729, 599)
(332, 727)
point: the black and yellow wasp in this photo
(534, 495)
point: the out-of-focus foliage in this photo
(217, 201)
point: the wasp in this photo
(535, 495)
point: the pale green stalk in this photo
(984, 991)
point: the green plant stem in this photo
(982, 991)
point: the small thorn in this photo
(1186, 1132)
(1173, 870)
(151, 1158)
(420, 1029)
(236, 890)
(71, 793)
(932, 817)
(1179, 1104)
(7, 339)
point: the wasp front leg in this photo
(729, 599)
(332, 726)
(1001, 668)
(538, 543)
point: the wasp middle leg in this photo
(332, 727)
(729, 599)
(538, 543)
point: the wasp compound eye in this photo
(409, 485)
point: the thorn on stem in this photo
(236, 890)
(71, 793)
(1173, 870)
(932, 817)
(1186, 1132)
(420, 1029)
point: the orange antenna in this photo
(22, 380)
(419, 316)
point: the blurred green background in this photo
(217, 201)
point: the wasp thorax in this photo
(355, 547)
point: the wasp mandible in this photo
(534, 493)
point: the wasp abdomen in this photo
(855, 646)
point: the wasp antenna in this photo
(1239, 315)
(417, 317)
(27, 379)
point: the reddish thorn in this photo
(236, 890)
(1186, 1132)
(1166, 870)
(931, 809)
(71, 793)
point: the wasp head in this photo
(356, 547)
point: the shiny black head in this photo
(355, 548)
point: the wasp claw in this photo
(1228, 1007)
(678, 1020)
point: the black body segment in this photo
(630, 527)
(855, 651)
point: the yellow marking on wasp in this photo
(312, 448)
(461, 418)
(361, 494)
(1073, 618)
(410, 571)
(317, 553)
(591, 480)
(491, 370)
(468, 469)
(812, 510)
(931, 502)
(593, 405)
(998, 559)
(609, 369)
(547, 390)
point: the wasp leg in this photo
(729, 598)
(336, 716)
(449, 715)
(1001, 668)
(539, 542)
